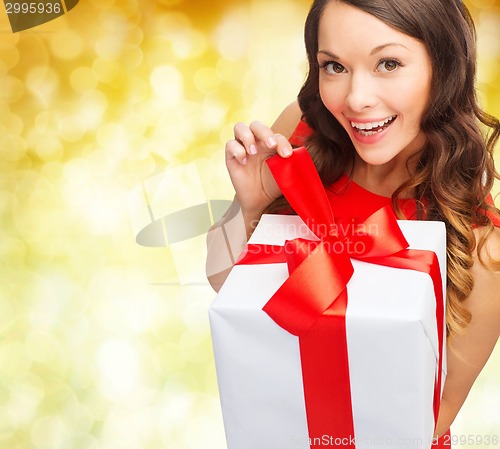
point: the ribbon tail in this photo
(325, 370)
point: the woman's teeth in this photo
(371, 128)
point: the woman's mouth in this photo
(372, 128)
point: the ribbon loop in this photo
(298, 250)
(309, 291)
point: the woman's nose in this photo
(362, 93)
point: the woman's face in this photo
(375, 80)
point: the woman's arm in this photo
(468, 352)
(251, 179)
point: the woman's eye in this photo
(333, 68)
(388, 65)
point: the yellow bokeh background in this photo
(104, 343)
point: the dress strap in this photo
(300, 135)
(495, 218)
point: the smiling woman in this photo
(389, 114)
(373, 89)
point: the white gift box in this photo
(392, 348)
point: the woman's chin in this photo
(373, 159)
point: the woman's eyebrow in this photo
(327, 53)
(381, 47)
(374, 51)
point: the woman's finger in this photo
(264, 134)
(244, 135)
(283, 146)
(235, 150)
(273, 141)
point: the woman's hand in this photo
(255, 188)
(245, 160)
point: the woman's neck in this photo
(382, 179)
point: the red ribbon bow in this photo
(312, 302)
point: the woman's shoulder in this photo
(484, 301)
(488, 242)
(292, 125)
(288, 121)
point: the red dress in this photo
(350, 200)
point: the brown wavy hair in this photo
(455, 172)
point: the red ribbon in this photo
(312, 302)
